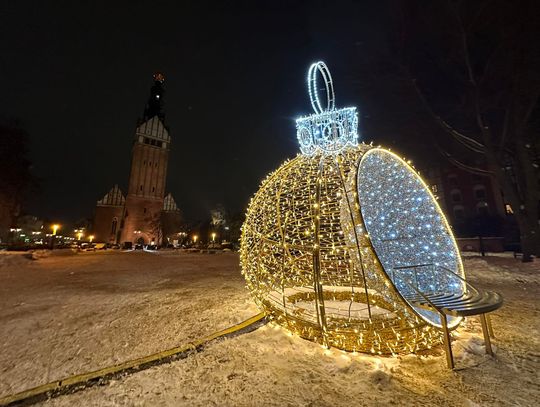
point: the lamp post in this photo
(213, 237)
(195, 237)
(91, 237)
(54, 228)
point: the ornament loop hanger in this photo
(320, 67)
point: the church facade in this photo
(137, 217)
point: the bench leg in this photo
(447, 343)
(485, 331)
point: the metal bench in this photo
(469, 302)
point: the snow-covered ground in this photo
(67, 314)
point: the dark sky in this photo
(78, 75)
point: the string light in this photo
(327, 130)
(326, 245)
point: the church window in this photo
(114, 224)
(153, 189)
(144, 162)
(156, 165)
(140, 188)
(144, 210)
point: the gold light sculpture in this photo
(335, 238)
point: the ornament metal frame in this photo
(319, 260)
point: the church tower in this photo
(149, 158)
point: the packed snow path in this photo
(62, 315)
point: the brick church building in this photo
(137, 217)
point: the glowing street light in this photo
(195, 237)
(91, 237)
(55, 228)
(213, 237)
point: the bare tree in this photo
(155, 229)
(486, 60)
(15, 176)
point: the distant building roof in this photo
(169, 204)
(114, 197)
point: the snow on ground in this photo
(62, 315)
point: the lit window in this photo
(508, 209)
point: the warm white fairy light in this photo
(325, 232)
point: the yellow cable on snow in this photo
(77, 382)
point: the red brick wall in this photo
(102, 228)
(140, 221)
(148, 171)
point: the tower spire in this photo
(154, 106)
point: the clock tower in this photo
(149, 158)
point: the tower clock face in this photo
(407, 228)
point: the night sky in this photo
(78, 74)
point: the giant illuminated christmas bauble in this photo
(337, 238)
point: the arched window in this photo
(479, 192)
(459, 212)
(482, 208)
(114, 225)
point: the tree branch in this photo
(465, 167)
(466, 141)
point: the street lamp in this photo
(54, 228)
(91, 237)
(195, 237)
(213, 237)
